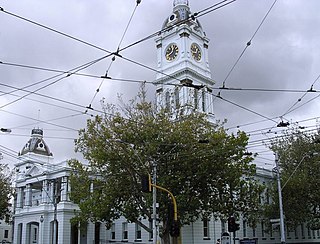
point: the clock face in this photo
(195, 52)
(172, 52)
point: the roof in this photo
(36, 144)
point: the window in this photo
(223, 226)
(113, 232)
(206, 231)
(6, 233)
(196, 101)
(302, 230)
(151, 227)
(35, 235)
(167, 100)
(125, 231)
(244, 228)
(267, 196)
(204, 97)
(138, 232)
(262, 229)
(177, 98)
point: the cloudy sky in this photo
(269, 78)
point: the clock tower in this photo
(183, 81)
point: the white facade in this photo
(184, 83)
(42, 199)
(5, 231)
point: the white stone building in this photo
(42, 206)
(5, 231)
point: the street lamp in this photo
(282, 230)
(277, 169)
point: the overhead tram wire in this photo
(139, 81)
(42, 121)
(300, 99)
(53, 30)
(155, 34)
(72, 71)
(51, 98)
(65, 72)
(248, 44)
(247, 109)
(50, 120)
(114, 57)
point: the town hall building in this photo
(42, 207)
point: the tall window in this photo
(204, 102)
(124, 231)
(196, 99)
(167, 100)
(262, 229)
(6, 233)
(177, 97)
(244, 228)
(35, 235)
(138, 232)
(302, 230)
(206, 230)
(113, 232)
(151, 227)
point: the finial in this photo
(180, 2)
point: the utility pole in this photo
(282, 230)
(154, 204)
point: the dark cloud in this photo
(283, 55)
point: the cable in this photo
(75, 70)
(248, 43)
(249, 110)
(130, 45)
(114, 57)
(26, 117)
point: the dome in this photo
(180, 2)
(181, 12)
(36, 144)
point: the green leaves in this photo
(214, 177)
(300, 170)
(5, 190)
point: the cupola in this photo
(36, 144)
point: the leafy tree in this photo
(207, 170)
(5, 191)
(300, 170)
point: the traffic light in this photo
(232, 225)
(146, 183)
(175, 229)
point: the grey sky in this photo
(284, 55)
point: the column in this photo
(64, 189)
(45, 192)
(20, 197)
(51, 192)
(28, 194)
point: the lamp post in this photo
(154, 204)
(282, 230)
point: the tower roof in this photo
(180, 2)
(36, 144)
(181, 12)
